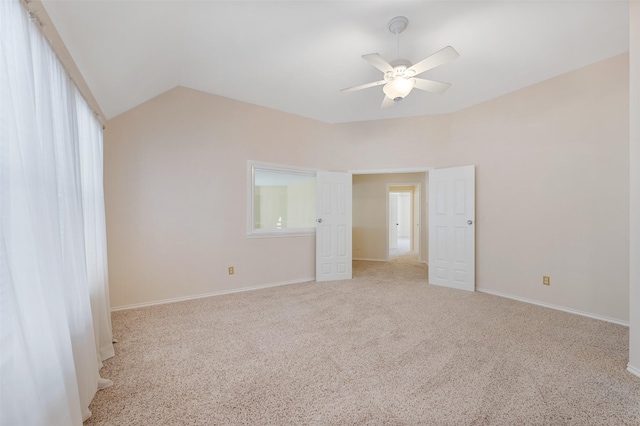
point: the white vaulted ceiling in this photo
(295, 56)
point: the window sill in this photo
(281, 234)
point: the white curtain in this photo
(55, 326)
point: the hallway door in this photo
(452, 227)
(333, 226)
(393, 220)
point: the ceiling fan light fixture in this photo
(398, 88)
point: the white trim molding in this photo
(633, 370)
(556, 307)
(215, 293)
(387, 171)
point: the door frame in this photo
(385, 171)
(416, 220)
(425, 170)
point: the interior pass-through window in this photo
(282, 200)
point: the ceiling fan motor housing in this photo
(401, 68)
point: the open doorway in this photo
(403, 204)
(371, 214)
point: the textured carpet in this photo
(405, 257)
(383, 348)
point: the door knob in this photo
(469, 222)
(320, 220)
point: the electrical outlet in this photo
(231, 270)
(546, 280)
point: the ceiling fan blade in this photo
(363, 86)
(440, 57)
(431, 85)
(378, 62)
(387, 102)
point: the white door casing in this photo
(452, 227)
(333, 226)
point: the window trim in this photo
(272, 167)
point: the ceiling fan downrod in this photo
(396, 26)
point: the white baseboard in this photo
(556, 307)
(633, 370)
(215, 293)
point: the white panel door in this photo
(393, 220)
(452, 227)
(333, 227)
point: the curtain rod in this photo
(34, 17)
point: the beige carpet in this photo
(408, 257)
(383, 348)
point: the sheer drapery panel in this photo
(55, 324)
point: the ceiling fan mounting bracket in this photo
(398, 24)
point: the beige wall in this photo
(551, 183)
(370, 213)
(176, 196)
(552, 188)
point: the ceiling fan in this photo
(400, 75)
